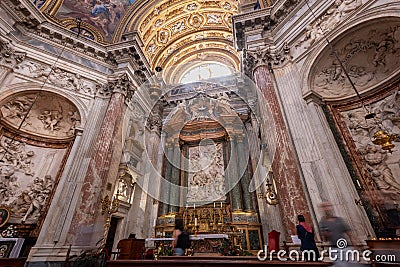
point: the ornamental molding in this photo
(268, 56)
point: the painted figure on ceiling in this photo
(104, 15)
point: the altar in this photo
(201, 243)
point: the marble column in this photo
(243, 161)
(233, 176)
(165, 184)
(96, 176)
(175, 178)
(270, 215)
(288, 181)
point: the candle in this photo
(221, 205)
(195, 221)
(214, 205)
(155, 220)
(186, 206)
(194, 206)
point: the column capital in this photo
(267, 56)
(118, 84)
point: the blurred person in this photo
(305, 232)
(338, 233)
(181, 238)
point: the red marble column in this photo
(292, 198)
(95, 180)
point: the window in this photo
(204, 72)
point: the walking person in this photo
(338, 233)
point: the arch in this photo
(365, 63)
(50, 116)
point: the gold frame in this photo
(8, 213)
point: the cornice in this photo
(266, 19)
(33, 23)
(253, 20)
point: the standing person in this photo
(306, 234)
(181, 238)
(337, 232)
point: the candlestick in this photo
(195, 221)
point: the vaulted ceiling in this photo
(173, 32)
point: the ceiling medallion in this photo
(196, 20)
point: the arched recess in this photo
(37, 132)
(370, 53)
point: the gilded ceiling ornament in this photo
(227, 6)
(196, 20)
(228, 20)
(152, 48)
(199, 36)
(214, 18)
(171, 49)
(158, 23)
(191, 7)
(163, 36)
(178, 27)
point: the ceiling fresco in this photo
(99, 18)
(173, 32)
(104, 15)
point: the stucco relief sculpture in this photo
(35, 198)
(382, 167)
(327, 22)
(375, 160)
(369, 57)
(26, 179)
(56, 76)
(49, 115)
(9, 57)
(19, 106)
(206, 180)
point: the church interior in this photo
(120, 117)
